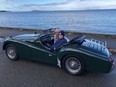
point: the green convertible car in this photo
(76, 56)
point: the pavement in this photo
(25, 73)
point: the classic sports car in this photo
(76, 56)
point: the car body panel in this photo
(29, 46)
(42, 54)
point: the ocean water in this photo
(94, 21)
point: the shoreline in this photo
(67, 32)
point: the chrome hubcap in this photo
(73, 65)
(11, 52)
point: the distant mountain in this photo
(72, 10)
(3, 11)
(37, 10)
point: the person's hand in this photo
(55, 36)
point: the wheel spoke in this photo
(73, 65)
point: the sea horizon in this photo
(60, 10)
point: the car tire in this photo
(73, 65)
(11, 52)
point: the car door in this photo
(43, 54)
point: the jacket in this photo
(57, 44)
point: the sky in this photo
(54, 5)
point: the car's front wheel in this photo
(73, 65)
(11, 52)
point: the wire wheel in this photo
(73, 65)
(11, 52)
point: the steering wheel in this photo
(47, 39)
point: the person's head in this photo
(61, 34)
(57, 30)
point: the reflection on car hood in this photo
(26, 37)
(97, 47)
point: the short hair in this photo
(57, 30)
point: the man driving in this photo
(56, 35)
(61, 40)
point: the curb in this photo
(67, 32)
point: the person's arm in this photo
(58, 44)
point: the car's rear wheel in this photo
(11, 52)
(73, 65)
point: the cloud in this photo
(6, 0)
(101, 5)
(68, 5)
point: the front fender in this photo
(23, 49)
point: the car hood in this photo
(26, 37)
(95, 47)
